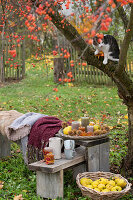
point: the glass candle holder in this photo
(90, 129)
(49, 159)
(85, 122)
(75, 125)
(47, 150)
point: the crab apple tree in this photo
(96, 16)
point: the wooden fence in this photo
(91, 74)
(12, 68)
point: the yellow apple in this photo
(101, 186)
(105, 190)
(89, 186)
(118, 188)
(108, 186)
(103, 181)
(67, 129)
(95, 184)
(111, 182)
(97, 189)
(96, 127)
(121, 182)
(85, 181)
(89, 181)
(113, 189)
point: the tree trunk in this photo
(58, 69)
(127, 163)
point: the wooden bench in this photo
(92, 156)
(50, 183)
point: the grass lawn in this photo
(75, 100)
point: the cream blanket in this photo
(6, 119)
(21, 126)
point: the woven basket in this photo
(95, 195)
(60, 132)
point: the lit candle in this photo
(85, 122)
(75, 125)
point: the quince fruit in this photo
(97, 189)
(113, 189)
(96, 127)
(101, 186)
(67, 129)
(111, 182)
(108, 186)
(85, 181)
(118, 188)
(121, 182)
(95, 184)
(105, 190)
(103, 181)
(89, 186)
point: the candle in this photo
(47, 150)
(85, 122)
(49, 158)
(90, 129)
(75, 125)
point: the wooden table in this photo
(96, 153)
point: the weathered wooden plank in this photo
(79, 169)
(59, 164)
(93, 159)
(90, 143)
(50, 185)
(4, 146)
(104, 157)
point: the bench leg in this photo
(98, 158)
(79, 169)
(5, 148)
(50, 185)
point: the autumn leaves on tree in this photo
(85, 20)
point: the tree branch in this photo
(126, 42)
(122, 14)
(121, 78)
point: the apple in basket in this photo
(104, 184)
(67, 129)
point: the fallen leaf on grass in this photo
(111, 127)
(1, 184)
(18, 197)
(126, 116)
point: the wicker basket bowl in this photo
(95, 195)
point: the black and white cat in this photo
(109, 46)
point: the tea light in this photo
(85, 122)
(90, 129)
(75, 125)
(47, 150)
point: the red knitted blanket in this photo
(42, 130)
